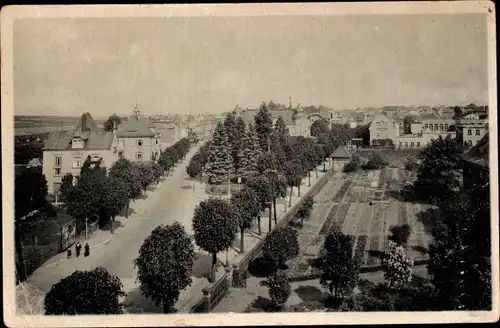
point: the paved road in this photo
(174, 200)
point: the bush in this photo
(279, 288)
(400, 234)
(375, 162)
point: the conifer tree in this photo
(249, 153)
(264, 126)
(220, 161)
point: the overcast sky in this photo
(174, 65)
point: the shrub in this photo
(279, 288)
(400, 234)
(375, 162)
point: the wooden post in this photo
(206, 296)
(86, 229)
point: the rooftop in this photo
(479, 154)
(135, 127)
(341, 152)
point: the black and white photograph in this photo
(249, 164)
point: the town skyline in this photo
(107, 65)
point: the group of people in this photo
(78, 248)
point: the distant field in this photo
(38, 125)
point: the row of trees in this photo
(101, 195)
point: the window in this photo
(139, 143)
(440, 126)
(138, 155)
(412, 144)
(436, 127)
(58, 161)
(430, 127)
(400, 144)
(57, 171)
(426, 126)
(76, 164)
(446, 127)
(469, 132)
(156, 141)
(478, 133)
(418, 143)
(406, 144)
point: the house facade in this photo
(435, 123)
(382, 128)
(138, 140)
(66, 151)
(471, 131)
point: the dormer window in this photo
(77, 143)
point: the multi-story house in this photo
(434, 123)
(66, 151)
(470, 131)
(383, 128)
(139, 142)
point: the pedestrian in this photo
(78, 248)
(87, 250)
(69, 253)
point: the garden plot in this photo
(360, 248)
(343, 190)
(349, 226)
(373, 250)
(327, 225)
(365, 213)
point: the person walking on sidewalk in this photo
(69, 252)
(78, 248)
(87, 250)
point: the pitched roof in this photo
(86, 123)
(135, 127)
(61, 140)
(479, 154)
(341, 152)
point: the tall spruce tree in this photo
(239, 133)
(220, 161)
(248, 153)
(264, 126)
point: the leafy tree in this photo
(249, 153)
(157, 171)
(264, 126)
(239, 133)
(458, 112)
(439, 174)
(247, 203)
(397, 267)
(165, 264)
(125, 170)
(67, 182)
(261, 186)
(194, 170)
(400, 234)
(30, 193)
(280, 246)
(220, 162)
(339, 269)
(145, 174)
(112, 122)
(281, 131)
(114, 198)
(319, 127)
(215, 224)
(279, 288)
(267, 162)
(305, 210)
(85, 292)
(294, 174)
(278, 186)
(375, 162)
(459, 263)
(85, 199)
